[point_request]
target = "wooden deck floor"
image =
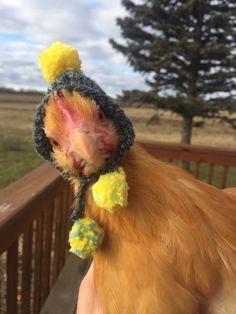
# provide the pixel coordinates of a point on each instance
(64, 294)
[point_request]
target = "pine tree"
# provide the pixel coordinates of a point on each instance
(186, 49)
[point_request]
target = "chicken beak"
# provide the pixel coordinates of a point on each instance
(84, 145)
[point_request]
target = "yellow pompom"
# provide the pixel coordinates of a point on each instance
(85, 237)
(57, 59)
(111, 190)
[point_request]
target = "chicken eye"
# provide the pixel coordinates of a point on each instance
(54, 142)
(101, 116)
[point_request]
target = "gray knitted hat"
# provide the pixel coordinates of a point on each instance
(74, 80)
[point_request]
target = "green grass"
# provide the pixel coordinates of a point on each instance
(17, 155)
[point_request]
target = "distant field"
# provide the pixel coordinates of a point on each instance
(168, 129)
(17, 155)
(19, 98)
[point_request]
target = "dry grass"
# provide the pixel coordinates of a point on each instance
(168, 129)
(19, 98)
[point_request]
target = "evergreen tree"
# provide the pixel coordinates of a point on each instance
(187, 50)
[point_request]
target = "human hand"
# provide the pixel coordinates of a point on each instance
(88, 302)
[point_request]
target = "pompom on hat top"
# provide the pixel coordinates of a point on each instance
(57, 59)
(61, 67)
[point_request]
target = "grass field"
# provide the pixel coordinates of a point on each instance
(17, 155)
(168, 129)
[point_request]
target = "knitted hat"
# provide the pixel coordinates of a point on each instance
(60, 65)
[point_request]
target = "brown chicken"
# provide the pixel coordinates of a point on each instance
(172, 249)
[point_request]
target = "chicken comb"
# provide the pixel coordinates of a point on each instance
(57, 59)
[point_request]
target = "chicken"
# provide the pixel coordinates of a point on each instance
(172, 248)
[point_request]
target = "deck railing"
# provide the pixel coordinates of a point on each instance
(34, 224)
(210, 164)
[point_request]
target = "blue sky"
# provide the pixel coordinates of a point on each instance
(29, 26)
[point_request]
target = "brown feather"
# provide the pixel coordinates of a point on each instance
(167, 251)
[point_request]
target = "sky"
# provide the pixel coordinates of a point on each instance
(28, 27)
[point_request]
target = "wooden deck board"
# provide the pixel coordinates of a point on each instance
(64, 294)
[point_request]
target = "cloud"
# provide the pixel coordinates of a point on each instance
(29, 26)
